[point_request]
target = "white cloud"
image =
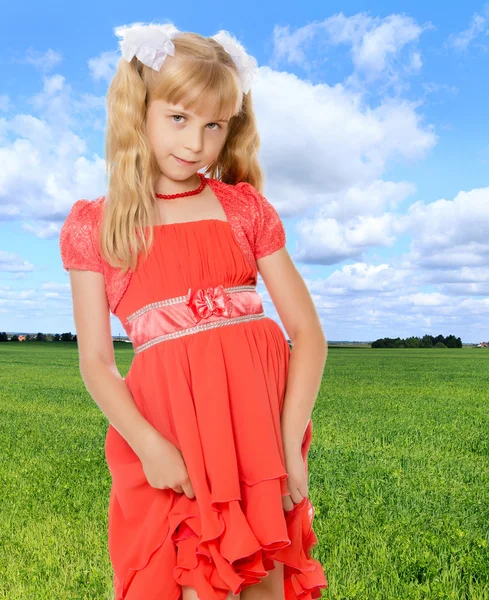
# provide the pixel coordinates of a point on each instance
(13, 263)
(55, 286)
(362, 277)
(449, 233)
(433, 299)
(458, 281)
(42, 229)
(376, 43)
(103, 67)
(44, 61)
(479, 26)
(341, 141)
(325, 241)
(374, 198)
(45, 162)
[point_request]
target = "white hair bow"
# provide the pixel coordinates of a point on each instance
(245, 63)
(152, 43)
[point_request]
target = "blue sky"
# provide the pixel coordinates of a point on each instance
(375, 147)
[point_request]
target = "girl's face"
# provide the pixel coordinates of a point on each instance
(177, 134)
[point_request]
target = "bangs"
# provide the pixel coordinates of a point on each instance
(197, 85)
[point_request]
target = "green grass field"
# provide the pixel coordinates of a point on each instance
(398, 475)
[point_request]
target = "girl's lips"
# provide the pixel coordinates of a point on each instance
(185, 162)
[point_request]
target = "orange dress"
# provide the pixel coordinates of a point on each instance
(217, 396)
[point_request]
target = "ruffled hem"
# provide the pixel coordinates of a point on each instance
(229, 546)
(224, 416)
(202, 566)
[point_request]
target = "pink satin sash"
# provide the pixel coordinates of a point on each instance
(198, 310)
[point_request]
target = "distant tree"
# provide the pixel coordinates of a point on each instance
(66, 337)
(14, 338)
(56, 337)
(378, 344)
(453, 342)
(3, 336)
(40, 337)
(412, 342)
(426, 341)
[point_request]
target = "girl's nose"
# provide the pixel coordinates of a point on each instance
(194, 141)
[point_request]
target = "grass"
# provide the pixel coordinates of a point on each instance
(398, 475)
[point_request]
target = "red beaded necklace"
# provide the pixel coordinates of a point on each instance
(189, 193)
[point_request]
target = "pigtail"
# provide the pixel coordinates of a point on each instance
(130, 167)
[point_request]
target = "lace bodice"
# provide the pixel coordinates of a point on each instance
(255, 222)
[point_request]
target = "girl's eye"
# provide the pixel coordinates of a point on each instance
(182, 117)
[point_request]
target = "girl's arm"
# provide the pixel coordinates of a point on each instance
(297, 312)
(97, 362)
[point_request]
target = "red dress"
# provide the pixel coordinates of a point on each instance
(216, 395)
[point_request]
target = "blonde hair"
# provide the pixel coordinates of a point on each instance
(200, 74)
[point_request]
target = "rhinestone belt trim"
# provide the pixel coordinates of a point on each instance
(181, 315)
(178, 299)
(198, 328)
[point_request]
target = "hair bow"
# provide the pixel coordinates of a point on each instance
(152, 43)
(245, 63)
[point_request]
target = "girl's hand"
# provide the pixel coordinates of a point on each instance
(297, 481)
(165, 468)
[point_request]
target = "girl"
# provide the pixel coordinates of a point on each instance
(209, 431)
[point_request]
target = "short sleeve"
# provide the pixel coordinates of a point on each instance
(269, 231)
(77, 239)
